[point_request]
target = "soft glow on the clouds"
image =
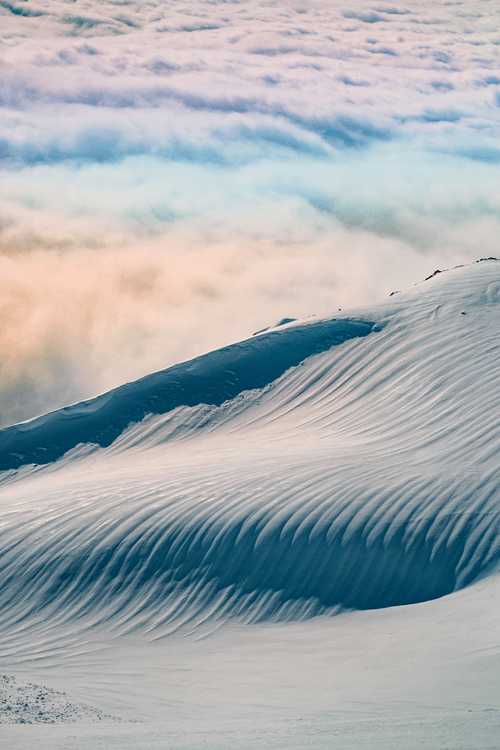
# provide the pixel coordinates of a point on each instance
(177, 175)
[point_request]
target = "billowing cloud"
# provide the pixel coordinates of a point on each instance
(176, 176)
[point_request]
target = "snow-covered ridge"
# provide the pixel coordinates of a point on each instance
(365, 475)
(210, 379)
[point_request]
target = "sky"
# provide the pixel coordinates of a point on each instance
(178, 175)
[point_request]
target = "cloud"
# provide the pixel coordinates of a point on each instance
(174, 179)
(367, 16)
(147, 263)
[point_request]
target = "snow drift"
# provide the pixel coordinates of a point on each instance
(325, 464)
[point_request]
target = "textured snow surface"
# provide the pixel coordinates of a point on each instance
(23, 703)
(188, 571)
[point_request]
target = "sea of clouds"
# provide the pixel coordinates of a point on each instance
(177, 175)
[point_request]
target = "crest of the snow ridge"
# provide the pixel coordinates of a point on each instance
(210, 379)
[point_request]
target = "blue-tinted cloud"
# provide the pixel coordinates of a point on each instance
(177, 177)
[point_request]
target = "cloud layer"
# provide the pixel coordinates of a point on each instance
(177, 175)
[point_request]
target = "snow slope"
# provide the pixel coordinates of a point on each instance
(174, 551)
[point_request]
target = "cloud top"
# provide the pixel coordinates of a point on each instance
(177, 175)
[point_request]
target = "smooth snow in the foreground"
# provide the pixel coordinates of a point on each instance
(293, 542)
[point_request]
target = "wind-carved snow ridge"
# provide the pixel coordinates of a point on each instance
(363, 476)
(210, 379)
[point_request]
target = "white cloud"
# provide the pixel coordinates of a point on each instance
(179, 175)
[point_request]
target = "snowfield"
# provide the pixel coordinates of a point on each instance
(291, 542)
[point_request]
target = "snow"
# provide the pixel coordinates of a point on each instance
(34, 704)
(291, 542)
(210, 379)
